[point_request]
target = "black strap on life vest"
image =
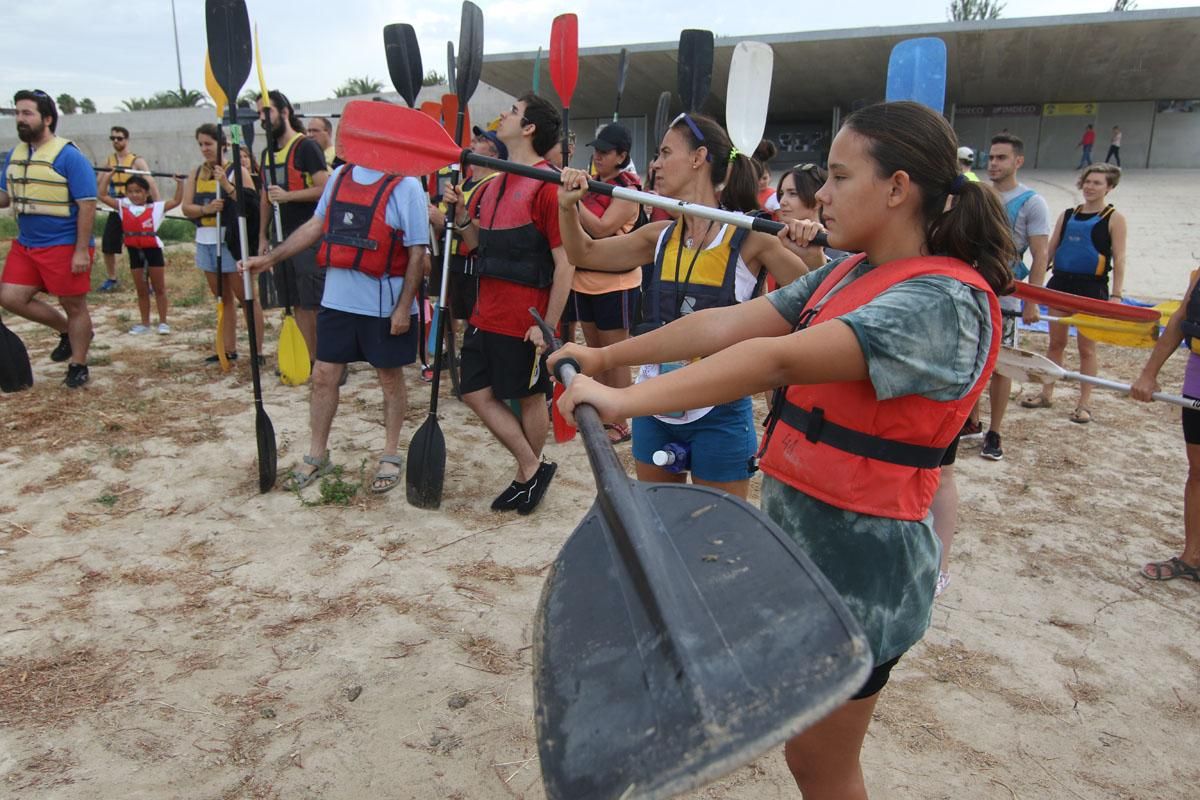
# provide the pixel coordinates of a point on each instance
(818, 429)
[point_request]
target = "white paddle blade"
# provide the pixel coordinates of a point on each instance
(1027, 367)
(748, 94)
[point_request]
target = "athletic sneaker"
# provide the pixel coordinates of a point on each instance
(63, 350)
(77, 375)
(991, 447)
(971, 430)
(163, 329)
(138, 330)
(537, 486)
(108, 285)
(512, 496)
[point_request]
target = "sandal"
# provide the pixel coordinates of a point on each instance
(297, 480)
(386, 481)
(1081, 415)
(623, 434)
(1170, 569)
(1036, 401)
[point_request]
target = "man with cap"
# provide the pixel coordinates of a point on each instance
(460, 293)
(966, 160)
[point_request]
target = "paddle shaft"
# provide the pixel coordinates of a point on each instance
(1123, 388)
(131, 171)
(247, 283)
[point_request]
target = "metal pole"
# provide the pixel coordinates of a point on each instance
(178, 61)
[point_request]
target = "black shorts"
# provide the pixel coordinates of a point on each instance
(114, 235)
(1080, 285)
(343, 338)
(460, 294)
(611, 311)
(1191, 424)
(141, 257)
(505, 363)
(299, 282)
(950, 454)
(876, 680)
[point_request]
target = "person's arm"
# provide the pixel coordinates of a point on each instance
(177, 200)
(81, 261)
(112, 202)
(614, 254)
(103, 178)
(1040, 249)
(1119, 232)
(193, 210)
(785, 262)
(564, 275)
(825, 353)
(1168, 342)
(618, 214)
(301, 239)
(265, 217)
(5, 200)
(418, 256)
(1037, 273)
(140, 163)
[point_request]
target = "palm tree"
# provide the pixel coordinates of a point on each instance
(1124, 5)
(66, 103)
(87, 106)
(358, 86)
(433, 78)
(171, 98)
(965, 10)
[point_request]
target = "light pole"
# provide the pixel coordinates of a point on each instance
(178, 62)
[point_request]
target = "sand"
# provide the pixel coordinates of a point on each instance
(168, 632)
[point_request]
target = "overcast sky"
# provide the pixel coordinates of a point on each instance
(113, 51)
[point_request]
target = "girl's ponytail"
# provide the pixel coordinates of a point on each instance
(975, 229)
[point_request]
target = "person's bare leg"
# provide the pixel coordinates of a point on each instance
(507, 429)
(158, 280)
(1055, 351)
(1191, 508)
(323, 403)
(945, 513)
(535, 423)
(306, 321)
(79, 326)
(617, 377)
(824, 760)
(998, 400)
(143, 294)
(1089, 364)
(652, 473)
(391, 380)
(20, 300)
(110, 265)
(739, 488)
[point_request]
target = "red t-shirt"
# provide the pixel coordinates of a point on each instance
(503, 306)
(1089, 137)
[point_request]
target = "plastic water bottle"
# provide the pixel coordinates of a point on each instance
(674, 456)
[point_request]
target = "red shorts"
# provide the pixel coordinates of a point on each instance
(48, 268)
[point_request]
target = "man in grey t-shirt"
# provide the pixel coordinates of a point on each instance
(1029, 217)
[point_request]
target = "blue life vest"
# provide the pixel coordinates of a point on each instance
(1076, 253)
(1013, 207)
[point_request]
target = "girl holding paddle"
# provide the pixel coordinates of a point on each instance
(884, 354)
(696, 264)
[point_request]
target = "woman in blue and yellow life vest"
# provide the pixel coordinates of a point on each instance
(1087, 246)
(204, 196)
(694, 264)
(883, 355)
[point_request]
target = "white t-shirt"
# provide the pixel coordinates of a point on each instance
(157, 214)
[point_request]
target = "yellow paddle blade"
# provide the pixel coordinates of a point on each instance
(1112, 331)
(214, 90)
(220, 340)
(262, 81)
(294, 366)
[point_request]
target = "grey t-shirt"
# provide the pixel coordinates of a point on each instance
(927, 336)
(1032, 220)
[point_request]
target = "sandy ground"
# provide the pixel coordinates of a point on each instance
(168, 632)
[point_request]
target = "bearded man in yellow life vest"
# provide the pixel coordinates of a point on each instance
(113, 182)
(52, 187)
(295, 185)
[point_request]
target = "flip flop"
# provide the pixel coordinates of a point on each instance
(623, 434)
(387, 480)
(1081, 415)
(1169, 570)
(297, 480)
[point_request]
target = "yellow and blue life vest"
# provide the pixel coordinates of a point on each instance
(34, 185)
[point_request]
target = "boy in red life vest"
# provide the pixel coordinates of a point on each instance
(512, 224)
(371, 234)
(140, 220)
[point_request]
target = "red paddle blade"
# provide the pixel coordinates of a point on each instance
(1084, 305)
(563, 430)
(564, 56)
(450, 118)
(395, 139)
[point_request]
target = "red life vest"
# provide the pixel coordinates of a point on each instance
(599, 203)
(356, 234)
(840, 444)
(511, 247)
(139, 228)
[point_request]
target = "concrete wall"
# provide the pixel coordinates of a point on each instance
(1176, 141)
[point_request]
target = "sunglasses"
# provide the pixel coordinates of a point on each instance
(695, 129)
(116, 138)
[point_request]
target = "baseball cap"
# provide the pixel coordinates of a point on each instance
(966, 154)
(490, 135)
(613, 136)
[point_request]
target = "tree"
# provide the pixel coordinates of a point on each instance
(66, 103)
(171, 98)
(432, 78)
(87, 106)
(356, 86)
(1124, 5)
(965, 10)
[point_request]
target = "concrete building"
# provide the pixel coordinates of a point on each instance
(1043, 79)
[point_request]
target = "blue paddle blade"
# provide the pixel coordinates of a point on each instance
(917, 72)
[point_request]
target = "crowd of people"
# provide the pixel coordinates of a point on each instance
(883, 341)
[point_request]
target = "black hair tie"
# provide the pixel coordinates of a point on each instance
(957, 184)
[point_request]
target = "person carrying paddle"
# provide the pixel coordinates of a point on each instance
(204, 194)
(371, 234)
(113, 238)
(1183, 325)
(883, 355)
(52, 187)
(695, 264)
(296, 186)
(140, 218)
(512, 224)
(1087, 246)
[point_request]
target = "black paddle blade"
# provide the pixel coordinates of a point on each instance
(229, 44)
(451, 67)
(403, 60)
(776, 650)
(661, 120)
(16, 373)
(470, 53)
(695, 67)
(267, 457)
(426, 469)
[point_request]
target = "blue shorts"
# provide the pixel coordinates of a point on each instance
(206, 258)
(723, 441)
(343, 338)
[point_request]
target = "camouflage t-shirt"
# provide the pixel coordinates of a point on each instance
(926, 336)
